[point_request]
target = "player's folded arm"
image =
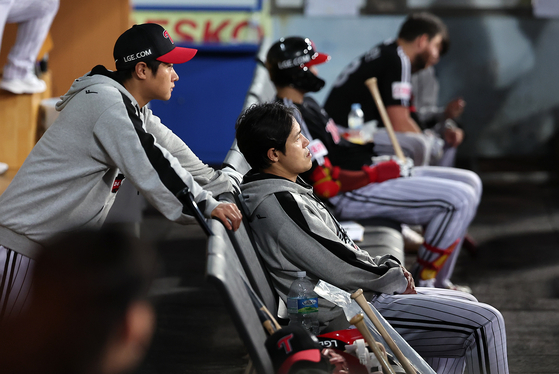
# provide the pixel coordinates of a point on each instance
(319, 251)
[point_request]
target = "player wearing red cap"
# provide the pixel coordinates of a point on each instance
(104, 134)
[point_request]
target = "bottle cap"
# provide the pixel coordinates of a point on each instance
(301, 274)
(355, 106)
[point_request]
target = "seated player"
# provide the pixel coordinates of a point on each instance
(392, 63)
(294, 232)
(439, 121)
(443, 200)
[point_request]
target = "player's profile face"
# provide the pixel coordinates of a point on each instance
(162, 83)
(297, 158)
(429, 54)
(434, 49)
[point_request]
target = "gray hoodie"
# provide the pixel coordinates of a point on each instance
(70, 178)
(294, 232)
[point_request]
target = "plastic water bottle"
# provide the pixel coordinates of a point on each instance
(355, 117)
(302, 304)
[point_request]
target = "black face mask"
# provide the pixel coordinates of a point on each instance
(305, 80)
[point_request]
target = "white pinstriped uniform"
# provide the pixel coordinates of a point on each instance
(449, 329)
(443, 200)
(34, 18)
(15, 282)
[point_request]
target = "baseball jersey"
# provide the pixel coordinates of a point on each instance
(390, 65)
(341, 152)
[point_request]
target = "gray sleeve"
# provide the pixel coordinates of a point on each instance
(153, 170)
(307, 242)
(211, 180)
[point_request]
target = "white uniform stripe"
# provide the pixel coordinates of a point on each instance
(406, 70)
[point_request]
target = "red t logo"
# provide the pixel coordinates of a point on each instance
(166, 35)
(286, 343)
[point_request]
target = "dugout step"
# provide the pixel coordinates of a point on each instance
(20, 124)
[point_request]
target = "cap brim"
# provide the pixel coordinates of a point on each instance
(178, 55)
(319, 59)
(312, 355)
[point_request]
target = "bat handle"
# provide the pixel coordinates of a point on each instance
(360, 299)
(358, 322)
(372, 85)
(271, 318)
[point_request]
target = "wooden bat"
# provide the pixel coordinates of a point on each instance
(371, 83)
(360, 298)
(358, 322)
(266, 318)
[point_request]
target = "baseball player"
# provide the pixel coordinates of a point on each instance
(392, 63)
(34, 18)
(440, 121)
(294, 232)
(104, 134)
(443, 200)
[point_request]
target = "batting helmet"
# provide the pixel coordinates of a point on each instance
(288, 62)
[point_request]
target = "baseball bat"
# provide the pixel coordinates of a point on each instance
(266, 318)
(358, 322)
(371, 83)
(360, 298)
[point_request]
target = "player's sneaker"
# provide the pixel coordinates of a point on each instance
(28, 85)
(3, 168)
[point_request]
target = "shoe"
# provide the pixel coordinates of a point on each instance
(28, 85)
(451, 286)
(3, 168)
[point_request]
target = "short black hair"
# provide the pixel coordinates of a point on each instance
(261, 127)
(418, 24)
(126, 74)
(83, 284)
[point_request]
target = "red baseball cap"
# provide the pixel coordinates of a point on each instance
(293, 344)
(148, 41)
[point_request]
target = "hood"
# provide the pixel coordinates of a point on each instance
(257, 187)
(99, 74)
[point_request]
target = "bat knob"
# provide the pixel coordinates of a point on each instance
(357, 293)
(356, 319)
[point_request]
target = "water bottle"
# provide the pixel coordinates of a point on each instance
(302, 304)
(355, 117)
(355, 124)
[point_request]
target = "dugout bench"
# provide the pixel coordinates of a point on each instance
(233, 259)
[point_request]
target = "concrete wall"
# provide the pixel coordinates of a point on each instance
(504, 66)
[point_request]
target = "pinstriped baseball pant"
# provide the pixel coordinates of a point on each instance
(449, 329)
(443, 200)
(15, 282)
(415, 146)
(34, 18)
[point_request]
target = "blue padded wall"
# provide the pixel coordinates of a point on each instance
(207, 100)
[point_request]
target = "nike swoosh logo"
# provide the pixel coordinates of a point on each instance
(260, 217)
(88, 92)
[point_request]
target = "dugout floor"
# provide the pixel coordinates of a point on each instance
(516, 270)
